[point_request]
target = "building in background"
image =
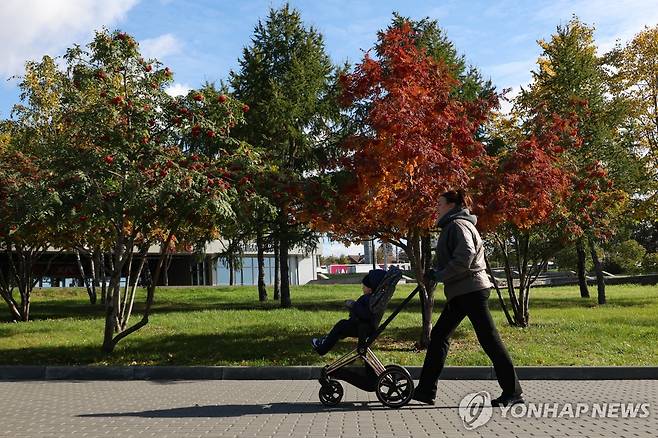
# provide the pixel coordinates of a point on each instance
(302, 266)
(184, 268)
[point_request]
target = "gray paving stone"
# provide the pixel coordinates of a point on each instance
(276, 408)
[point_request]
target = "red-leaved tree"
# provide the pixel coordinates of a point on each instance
(416, 139)
(521, 199)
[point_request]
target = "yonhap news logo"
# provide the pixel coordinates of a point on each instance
(475, 410)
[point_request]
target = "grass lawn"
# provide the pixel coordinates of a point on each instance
(228, 326)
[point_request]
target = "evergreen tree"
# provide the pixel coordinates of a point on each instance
(432, 38)
(572, 79)
(290, 84)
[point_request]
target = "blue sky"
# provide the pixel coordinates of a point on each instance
(202, 40)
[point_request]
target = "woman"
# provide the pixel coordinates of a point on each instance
(462, 269)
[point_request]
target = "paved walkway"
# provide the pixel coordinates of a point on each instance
(225, 408)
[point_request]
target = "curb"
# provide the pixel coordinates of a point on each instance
(305, 373)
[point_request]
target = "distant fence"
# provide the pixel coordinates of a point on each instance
(553, 281)
(550, 280)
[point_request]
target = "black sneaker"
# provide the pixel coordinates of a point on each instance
(508, 400)
(423, 397)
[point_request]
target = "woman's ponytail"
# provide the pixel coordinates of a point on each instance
(458, 197)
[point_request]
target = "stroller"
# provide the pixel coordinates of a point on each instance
(392, 383)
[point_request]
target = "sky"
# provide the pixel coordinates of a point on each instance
(203, 40)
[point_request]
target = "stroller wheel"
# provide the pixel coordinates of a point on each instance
(331, 393)
(395, 386)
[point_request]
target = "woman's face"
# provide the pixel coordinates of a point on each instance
(444, 206)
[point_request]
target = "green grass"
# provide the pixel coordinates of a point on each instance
(228, 326)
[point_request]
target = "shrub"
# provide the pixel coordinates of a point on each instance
(650, 263)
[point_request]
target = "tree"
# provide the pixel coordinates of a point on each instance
(625, 257)
(29, 208)
(634, 81)
(30, 204)
(571, 80)
(243, 165)
(567, 259)
(415, 140)
(433, 39)
(650, 263)
(646, 233)
(130, 166)
(288, 81)
(520, 196)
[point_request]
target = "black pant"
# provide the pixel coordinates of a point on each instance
(475, 305)
(344, 328)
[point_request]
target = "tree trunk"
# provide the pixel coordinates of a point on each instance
(94, 278)
(503, 306)
(6, 291)
(421, 250)
(25, 306)
(167, 264)
(517, 309)
(231, 270)
(600, 281)
(103, 278)
(85, 282)
(415, 259)
(582, 279)
(128, 304)
(124, 302)
(21, 272)
(109, 344)
(521, 265)
(111, 309)
(13, 306)
(525, 314)
(277, 270)
(148, 279)
(262, 291)
(112, 305)
(528, 278)
(285, 274)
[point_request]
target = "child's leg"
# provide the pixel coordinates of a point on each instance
(342, 329)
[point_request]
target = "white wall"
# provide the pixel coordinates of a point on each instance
(306, 268)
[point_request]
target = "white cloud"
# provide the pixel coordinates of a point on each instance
(613, 20)
(178, 89)
(160, 47)
(30, 29)
(511, 69)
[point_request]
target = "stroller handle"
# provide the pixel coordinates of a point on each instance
(390, 318)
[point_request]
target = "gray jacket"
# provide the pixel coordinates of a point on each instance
(460, 255)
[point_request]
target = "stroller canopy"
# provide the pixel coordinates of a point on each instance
(381, 297)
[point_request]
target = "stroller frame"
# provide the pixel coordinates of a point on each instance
(394, 387)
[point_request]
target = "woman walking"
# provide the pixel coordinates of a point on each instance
(462, 269)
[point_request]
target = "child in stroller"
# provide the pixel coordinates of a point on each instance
(391, 383)
(361, 319)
